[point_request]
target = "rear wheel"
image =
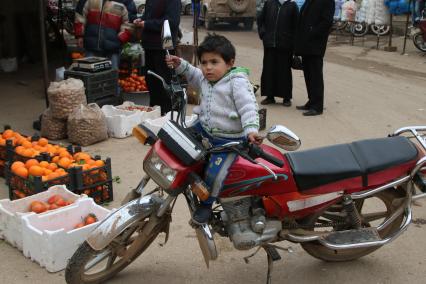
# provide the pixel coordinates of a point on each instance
(90, 266)
(248, 24)
(374, 211)
(419, 42)
(359, 29)
(380, 29)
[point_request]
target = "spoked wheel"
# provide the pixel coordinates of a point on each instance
(419, 42)
(374, 211)
(90, 266)
(339, 25)
(359, 29)
(380, 29)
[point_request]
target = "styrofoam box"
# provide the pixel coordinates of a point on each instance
(50, 239)
(156, 124)
(11, 212)
(120, 122)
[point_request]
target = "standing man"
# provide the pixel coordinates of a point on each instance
(276, 24)
(151, 24)
(102, 26)
(315, 21)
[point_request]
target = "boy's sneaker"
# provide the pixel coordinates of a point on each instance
(287, 103)
(202, 214)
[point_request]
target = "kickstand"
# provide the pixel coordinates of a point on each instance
(272, 255)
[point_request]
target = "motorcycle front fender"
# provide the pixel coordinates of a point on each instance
(122, 218)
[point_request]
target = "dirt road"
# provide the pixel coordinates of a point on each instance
(368, 94)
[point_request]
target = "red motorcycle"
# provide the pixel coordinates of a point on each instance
(320, 198)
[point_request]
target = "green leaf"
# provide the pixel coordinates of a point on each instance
(116, 179)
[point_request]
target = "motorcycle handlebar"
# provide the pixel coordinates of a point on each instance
(256, 151)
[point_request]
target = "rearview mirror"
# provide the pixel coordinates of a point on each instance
(166, 36)
(284, 138)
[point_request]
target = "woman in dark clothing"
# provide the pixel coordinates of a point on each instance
(151, 23)
(276, 26)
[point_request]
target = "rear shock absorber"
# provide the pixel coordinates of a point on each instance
(352, 211)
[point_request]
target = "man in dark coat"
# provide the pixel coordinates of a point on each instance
(276, 26)
(151, 23)
(313, 28)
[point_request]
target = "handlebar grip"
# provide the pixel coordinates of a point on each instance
(257, 151)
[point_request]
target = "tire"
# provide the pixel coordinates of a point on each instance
(135, 246)
(248, 24)
(419, 42)
(319, 251)
(339, 25)
(359, 29)
(380, 30)
(238, 6)
(209, 24)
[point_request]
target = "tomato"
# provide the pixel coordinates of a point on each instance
(60, 202)
(38, 207)
(53, 206)
(53, 198)
(90, 219)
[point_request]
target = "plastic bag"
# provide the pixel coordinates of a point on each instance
(87, 125)
(51, 127)
(65, 96)
(133, 52)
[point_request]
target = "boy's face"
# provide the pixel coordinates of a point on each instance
(213, 66)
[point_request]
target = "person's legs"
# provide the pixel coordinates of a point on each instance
(154, 60)
(115, 61)
(284, 79)
(316, 84)
(267, 78)
(306, 74)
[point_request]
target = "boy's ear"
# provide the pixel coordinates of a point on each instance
(231, 62)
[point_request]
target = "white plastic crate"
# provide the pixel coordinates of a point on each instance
(121, 121)
(50, 239)
(11, 212)
(156, 124)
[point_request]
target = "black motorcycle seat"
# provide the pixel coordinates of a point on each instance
(317, 167)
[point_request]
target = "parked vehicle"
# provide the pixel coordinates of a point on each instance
(340, 202)
(186, 6)
(419, 38)
(231, 11)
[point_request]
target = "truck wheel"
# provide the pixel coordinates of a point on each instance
(209, 24)
(238, 6)
(248, 24)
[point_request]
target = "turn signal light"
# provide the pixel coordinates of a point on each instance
(200, 190)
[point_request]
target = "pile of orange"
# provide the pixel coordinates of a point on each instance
(32, 167)
(133, 83)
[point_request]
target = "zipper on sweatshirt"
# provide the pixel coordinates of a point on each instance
(276, 24)
(100, 22)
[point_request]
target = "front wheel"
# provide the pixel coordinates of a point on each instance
(90, 266)
(419, 42)
(373, 210)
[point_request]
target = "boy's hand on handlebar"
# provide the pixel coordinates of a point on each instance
(255, 138)
(172, 61)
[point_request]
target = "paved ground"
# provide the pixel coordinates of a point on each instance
(369, 94)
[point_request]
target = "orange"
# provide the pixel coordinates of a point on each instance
(55, 159)
(36, 171)
(17, 164)
(81, 156)
(29, 153)
(19, 150)
(22, 172)
(2, 142)
(27, 144)
(99, 163)
(30, 163)
(43, 142)
(64, 154)
(47, 172)
(52, 176)
(64, 162)
(7, 134)
(44, 178)
(44, 164)
(52, 166)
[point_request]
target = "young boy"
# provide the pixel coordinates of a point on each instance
(228, 110)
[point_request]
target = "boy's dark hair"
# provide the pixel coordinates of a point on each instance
(218, 44)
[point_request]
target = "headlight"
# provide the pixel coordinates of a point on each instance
(159, 171)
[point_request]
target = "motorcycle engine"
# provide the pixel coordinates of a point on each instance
(246, 223)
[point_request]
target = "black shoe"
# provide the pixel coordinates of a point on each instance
(268, 101)
(312, 112)
(202, 214)
(304, 107)
(287, 103)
